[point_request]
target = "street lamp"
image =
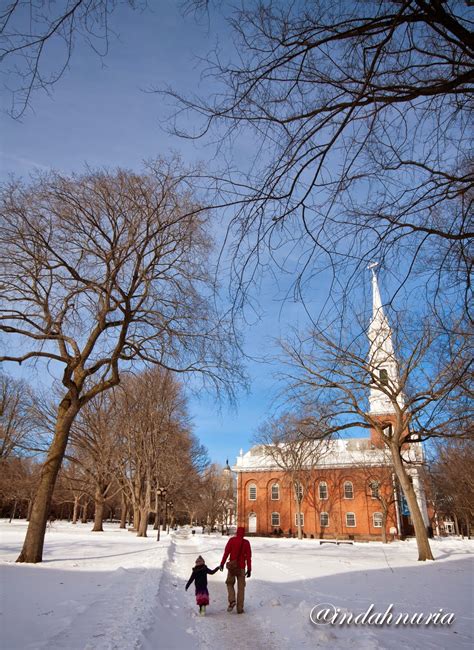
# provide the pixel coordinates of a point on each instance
(160, 494)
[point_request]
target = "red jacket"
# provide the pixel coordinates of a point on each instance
(238, 547)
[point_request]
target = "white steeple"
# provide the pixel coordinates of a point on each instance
(381, 355)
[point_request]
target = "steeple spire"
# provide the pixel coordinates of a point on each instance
(381, 355)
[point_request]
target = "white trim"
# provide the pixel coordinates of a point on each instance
(321, 521)
(379, 518)
(271, 519)
(354, 525)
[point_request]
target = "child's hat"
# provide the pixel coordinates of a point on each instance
(200, 560)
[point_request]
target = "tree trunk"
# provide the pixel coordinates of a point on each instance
(143, 522)
(32, 550)
(98, 511)
(123, 512)
(421, 534)
(136, 517)
(155, 525)
(456, 525)
(144, 511)
(75, 512)
(13, 511)
(84, 513)
(384, 526)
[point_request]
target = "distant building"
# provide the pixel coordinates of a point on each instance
(351, 492)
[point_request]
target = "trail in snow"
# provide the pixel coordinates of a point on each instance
(178, 624)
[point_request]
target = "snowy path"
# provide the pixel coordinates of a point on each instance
(182, 627)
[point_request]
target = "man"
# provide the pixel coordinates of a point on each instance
(238, 550)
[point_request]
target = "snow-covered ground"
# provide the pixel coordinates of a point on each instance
(113, 590)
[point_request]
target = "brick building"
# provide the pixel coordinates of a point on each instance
(350, 492)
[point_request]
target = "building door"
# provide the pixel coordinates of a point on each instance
(252, 522)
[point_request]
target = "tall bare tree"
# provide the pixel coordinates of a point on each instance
(99, 271)
(340, 373)
(363, 111)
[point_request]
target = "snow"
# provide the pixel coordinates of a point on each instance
(112, 590)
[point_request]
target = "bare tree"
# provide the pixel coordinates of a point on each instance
(340, 374)
(295, 444)
(39, 38)
(153, 435)
(363, 111)
(16, 416)
(452, 481)
(99, 271)
(94, 441)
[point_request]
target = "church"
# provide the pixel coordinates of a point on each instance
(349, 492)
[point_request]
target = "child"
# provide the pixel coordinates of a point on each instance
(199, 576)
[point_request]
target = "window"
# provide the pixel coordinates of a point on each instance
(275, 518)
(350, 519)
(324, 519)
(252, 492)
(323, 490)
(377, 519)
(275, 492)
(348, 490)
(383, 375)
(298, 491)
(374, 489)
(301, 519)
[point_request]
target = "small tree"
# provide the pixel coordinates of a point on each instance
(295, 444)
(16, 416)
(452, 479)
(100, 271)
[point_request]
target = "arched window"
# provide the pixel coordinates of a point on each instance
(374, 489)
(252, 492)
(377, 519)
(275, 492)
(275, 518)
(324, 519)
(348, 490)
(323, 490)
(301, 518)
(350, 519)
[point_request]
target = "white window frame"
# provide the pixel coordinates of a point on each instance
(352, 489)
(277, 486)
(275, 514)
(252, 486)
(348, 525)
(374, 490)
(321, 519)
(379, 519)
(323, 483)
(301, 519)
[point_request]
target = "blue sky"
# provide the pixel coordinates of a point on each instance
(100, 113)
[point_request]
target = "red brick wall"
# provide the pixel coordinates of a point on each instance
(362, 504)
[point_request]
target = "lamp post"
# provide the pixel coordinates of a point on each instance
(160, 494)
(170, 506)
